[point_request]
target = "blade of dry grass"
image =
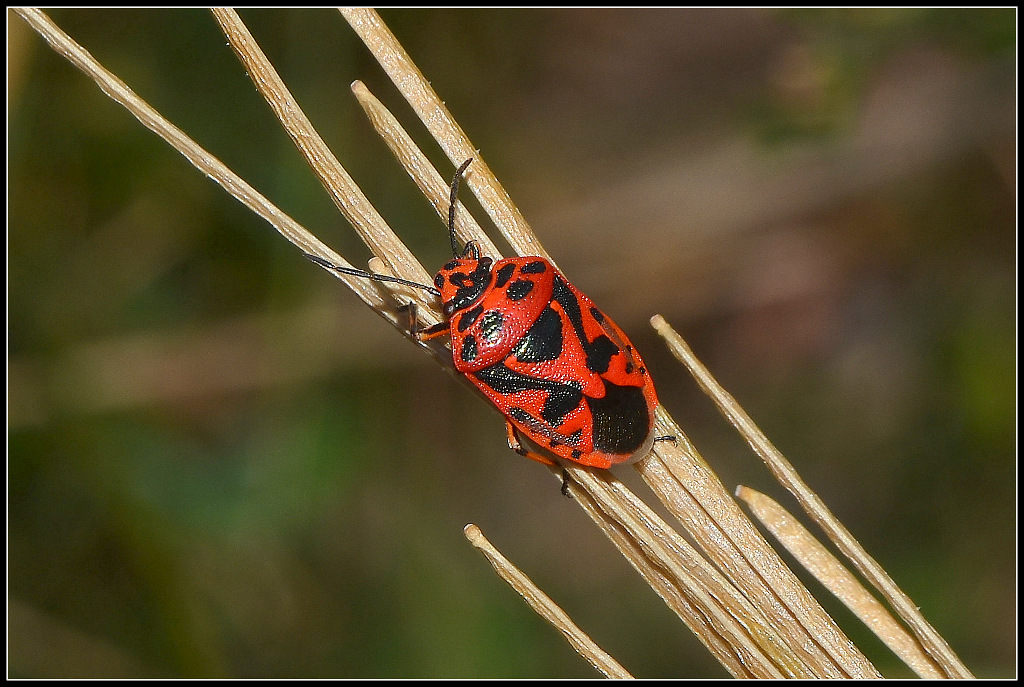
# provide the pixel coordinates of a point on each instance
(732, 628)
(430, 183)
(542, 604)
(934, 644)
(827, 569)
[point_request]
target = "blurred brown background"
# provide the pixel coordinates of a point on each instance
(221, 464)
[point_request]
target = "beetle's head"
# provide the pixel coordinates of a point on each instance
(463, 280)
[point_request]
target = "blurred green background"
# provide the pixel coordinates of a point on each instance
(221, 464)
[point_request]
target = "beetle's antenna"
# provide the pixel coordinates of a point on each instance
(451, 205)
(370, 275)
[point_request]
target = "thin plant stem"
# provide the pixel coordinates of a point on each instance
(542, 604)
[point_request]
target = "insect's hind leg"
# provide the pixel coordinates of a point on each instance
(517, 446)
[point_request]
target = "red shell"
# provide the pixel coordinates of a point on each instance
(559, 369)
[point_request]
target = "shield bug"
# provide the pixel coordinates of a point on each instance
(561, 371)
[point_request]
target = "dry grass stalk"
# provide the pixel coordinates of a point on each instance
(933, 644)
(735, 631)
(697, 498)
(827, 569)
(431, 184)
(542, 604)
(747, 606)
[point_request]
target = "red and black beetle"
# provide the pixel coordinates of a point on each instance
(561, 371)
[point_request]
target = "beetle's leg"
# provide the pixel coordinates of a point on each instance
(565, 483)
(668, 437)
(426, 333)
(410, 309)
(515, 445)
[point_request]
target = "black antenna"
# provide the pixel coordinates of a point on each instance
(396, 280)
(370, 275)
(451, 205)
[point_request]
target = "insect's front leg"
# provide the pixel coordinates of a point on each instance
(426, 333)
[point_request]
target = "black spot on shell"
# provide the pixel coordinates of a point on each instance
(562, 397)
(560, 402)
(518, 289)
(502, 276)
(621, 420)
(467, 318)
(599, 354)
(490, 325)
(543, 340)
(469, 349)
(535, 267)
